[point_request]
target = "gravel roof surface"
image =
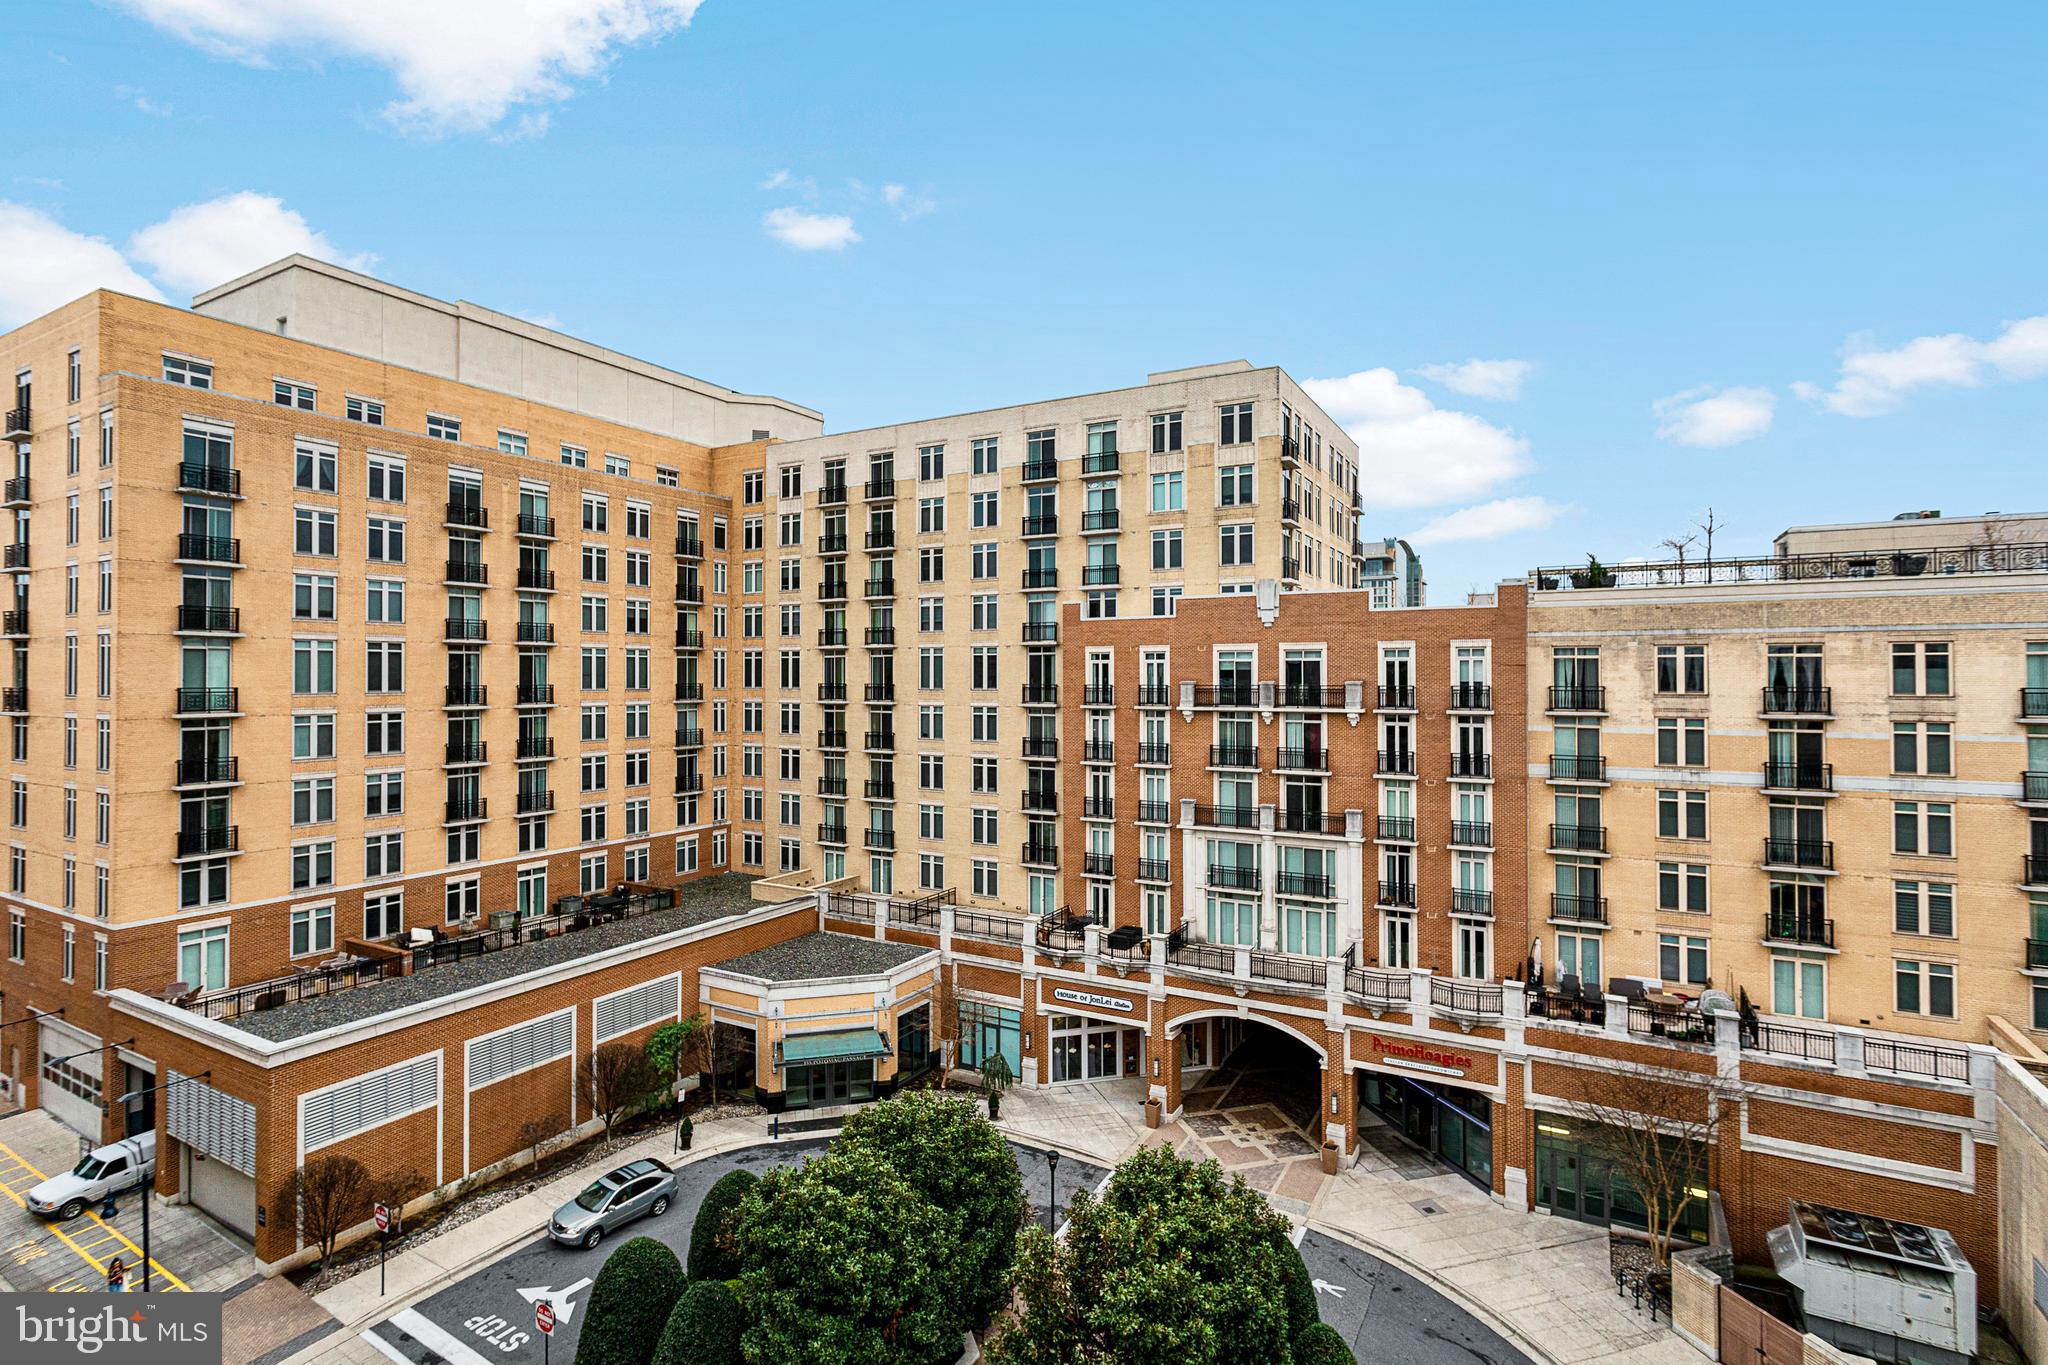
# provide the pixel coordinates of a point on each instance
(822, 954)
(697, 902)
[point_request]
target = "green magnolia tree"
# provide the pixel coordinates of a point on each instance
(711, 1254)
(678, 1047)
(629, 1304)
(705, 1327)
(955, 1158)
(841, 1259)
(1171, 1266)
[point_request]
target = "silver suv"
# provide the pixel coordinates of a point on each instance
(611, 1201)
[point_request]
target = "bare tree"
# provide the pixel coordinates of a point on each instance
(1658, 1128)
(615, 1078)
(399, 1188)
(331, 1194)
(1707, 528)
(945, 1021)
(538, 1135)
(1678, 545)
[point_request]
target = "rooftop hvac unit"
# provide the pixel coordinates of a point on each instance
(1892, 1291)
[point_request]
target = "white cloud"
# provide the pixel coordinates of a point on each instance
(202, 245)
(908, 204)
(1489, 521)
(1500, 379)
(1411, 452)
(45, 265)
(810, 231)
(1709, 417)
(1874, 381)
(460, 65)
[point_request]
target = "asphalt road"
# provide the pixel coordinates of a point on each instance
(486, 1318)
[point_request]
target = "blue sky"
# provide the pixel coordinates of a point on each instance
(1685, 227)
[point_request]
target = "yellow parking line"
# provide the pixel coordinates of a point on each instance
(85, 1255)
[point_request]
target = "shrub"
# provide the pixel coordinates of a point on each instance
(1299, 1287)
(330, 1194)
(711, 1256)
(1321, 1345)
(705, 1327)
(629, 1304)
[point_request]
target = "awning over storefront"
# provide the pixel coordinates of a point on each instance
(839, 1045)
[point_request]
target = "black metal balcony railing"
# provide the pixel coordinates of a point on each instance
(1047, 524)
(1316, 884)
(467, 571)
(1234, 878)
(832, 589)
(1098, 864)
(463, 512)
(879, 585)
(831, 834)
(1396, 697)
(879, 840)
(689, 639)
(880, 489)
(1101, 519)
(1226, 694)
(1041, 694)
(689, 592)
(879, 637)
(465, 809)
(1471, 696)
(466, 694)
(1467, 901)
(1472, 833)
(689, 547)
(1398, 761)
(1101, 575)
(1578, 768)
(1818, 853)
(1228, 817)
(1578, 697)
(542, 694)
(831, 691)
(1154, 812)
(1309, 820)
(1154, 755)
(13, 700)
(1098, 808)
(1035, 852)
(1044, 799)
(1290, 566)
(1465, 764)
(880, 739)
(1154, 870)
(536, 632)
(535, 526)
(534, 801)
(543, 746)
(832, 494)
(1233, 756)
(209, 549)
(2037, 954)
(1310, 696)
(1397, 894)
(1799, 776)
(465, 628)
(461, 751)
(14, 493)
(2034, 702)
(201, 477)
(1098, 694)
(194, 700)
(200, 839)
(1398, 828)
(15, 556)
(1037, 471)
(1102, 462)
(831, 739)
(2034, 788)
(1041, 578)
(1290, 449)
(543, 580)
(1579, 838)
(689, 783)
(199, 772)
(1041, 632)
(1580, 909)
(1792, 700)
(17, 422)
(1290, 509)
(2033, 870)
(687, 690)
(1155, 694)
(1040, 746)
(879, 692)
(884, 539)
(878, 789)
(1099, 751)
(1791, 927)
(832, 637)
(828, 785)
(191, 616)
(1302, 760)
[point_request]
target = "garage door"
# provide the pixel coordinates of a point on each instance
(218, 1134)
(70, 1088)
(223, 1192)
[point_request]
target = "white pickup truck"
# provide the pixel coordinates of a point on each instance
(103, 1171)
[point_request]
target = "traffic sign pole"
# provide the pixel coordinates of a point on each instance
(544, 1322)
(381, 1211)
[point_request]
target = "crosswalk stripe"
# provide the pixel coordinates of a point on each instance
(423, 1330)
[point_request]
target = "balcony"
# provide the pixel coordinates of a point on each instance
(883, 692)
(831, 834)
(534, 801)
(689, 547)
(879, 637)
(1043, 855)
(217, 770)
(1040, 747)
(209, 549)
(688, 592)
(831, 691)
(1154, 694)
(467, 571)
(1154, 755)
(880, 585)
(832, 589)
(1155, 870)
(833, 494)
(1309, 820)
(1041, 578)
(1302, 760)
(1098, 808)
(1227, 817)
(15, 556)
(2034, 703)
(1396, 698)
(1311, 697)
(1578, 768)
(535, 633)
(828, 785)
(1101, 519)
(2033, 870)
(473, 515)
(1233, 756)
(1471, 834)
(195, 476)
(1290, 509)
(465, 695)
(540, 694)
(543, 746)
(689, 783)
(1101, 575)
(1315, 885)
(1397, 762)
(1099, 751)
(543, 580)
(1397, 829)
(534, 526)
(15, 492)
(1799, 777)
(2037, 954)
(193, 619)
(880, 490)
(832, 637)
(1098, 694)
(458, 753)
(1041, 694)
(199, 840)
(1045, 800)
(879, 741)
(190, 701)
(691, 639)
(1578, 909)
(1471, 696)
(831, 739)
(882, 540)
(465, 630)
(1101, 462)
(1471, 765)
(689, 691)
(1045, 525)
(1290, 450)
(1399, 894)
(1813, 931)
(1803, 854)
(465, 810)
(17, 424)
(878, 789)
(2034, 789)
(1290, 567)
(1041, 632)
(1154, 813)
(1578, 838)
(1578, 697)
(1230, 694)
(1038, 471)
(1098, 864)
(1466, 901)
(1798, 701)
(1234, 878)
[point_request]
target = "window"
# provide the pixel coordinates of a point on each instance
(1923, 828)
(287, 394)
(985, 455)
(193, 374)
(442, 428)
(385, 541)
(1166, 432)
(1165, 600)
(383, 915)
(313, 532)
(1234, 485)
(1927, 908)
(312, 800)
(73, 375)
(1682, 958)
(383, 732)
(1235, 544)
(1234, 424)
(667, 477)
(368, 411)
(384, 601)
(984, 510)
(1681, 669)
(1920, 669)
(1682, 887)
(313, 468)
(387, 478)
(312, 667)
(312, 865)
(1166, 549)
(1799, 987)
(1927, 988)
(313, 736)
(1681, 742)
(384, 793)
(1681, 815)
(203, 957)
(384, 666)
(313, 596)
(1923, 748)
(1168, 491)
(512, 442)
(618, 466)
(312, 930)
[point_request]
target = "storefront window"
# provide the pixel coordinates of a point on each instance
(1576, 1176)
(806, 1087)
(1090, 1050)
(986, 1030)
(1456, 1125)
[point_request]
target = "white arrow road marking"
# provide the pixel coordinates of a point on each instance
(434, 1339)
(1335, 1291)
(562, 1300)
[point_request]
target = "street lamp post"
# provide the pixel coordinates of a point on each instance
(147, 1188)
(1052, 1190)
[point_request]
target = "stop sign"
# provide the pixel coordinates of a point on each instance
(544, 1317)
(383, 1213)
